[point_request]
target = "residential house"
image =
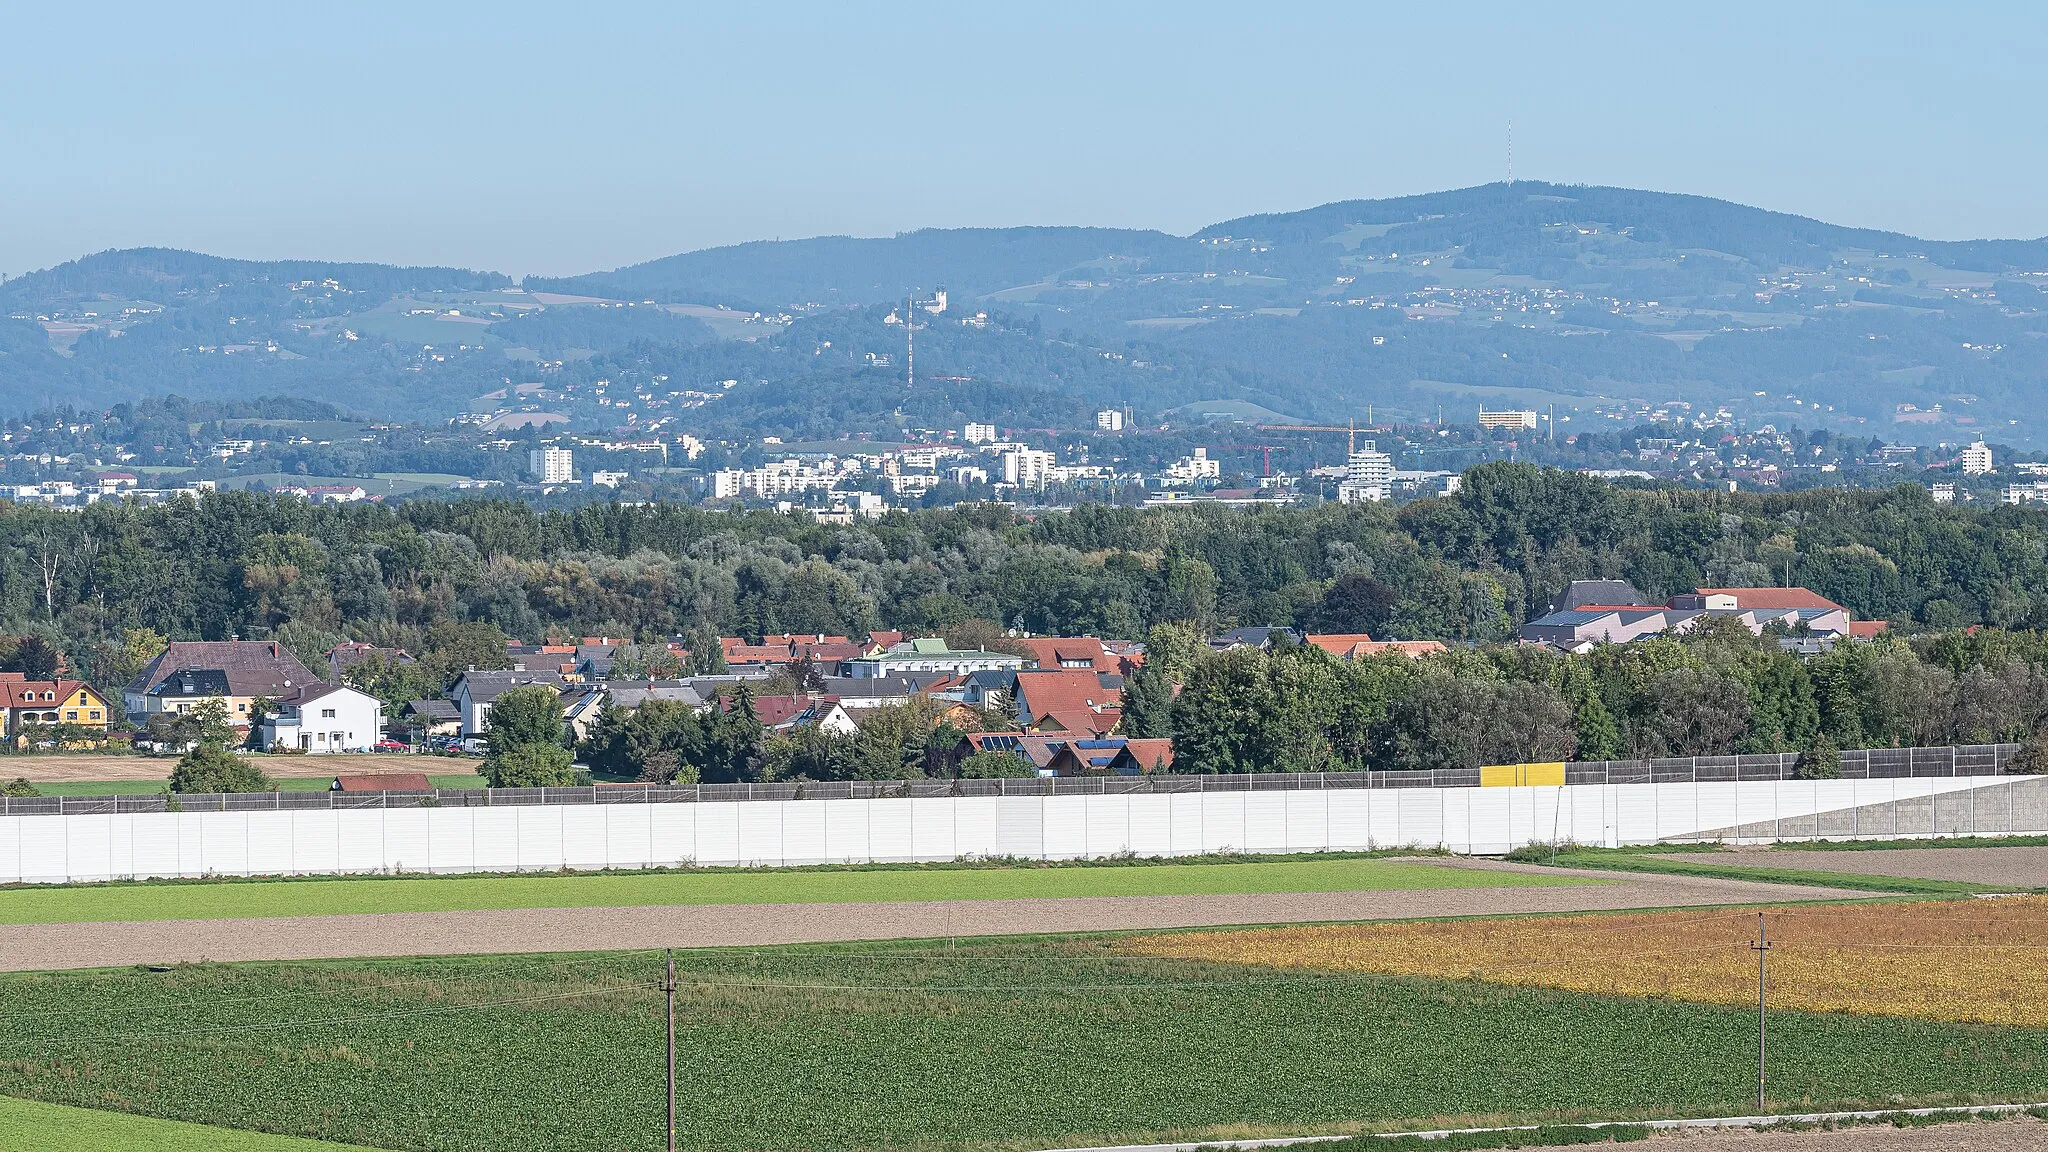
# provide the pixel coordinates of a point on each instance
(783, 713)
(1260, 636)
(630, 694)
(249, 670)
(1071, 653)
(1069, 701)
(1037, 751)
(1357, 646)
(324, 718)
(474, 692)
(343, 657)
(1797, 609)
(928, 654)
(1086, 757)
(1140, 757)
(434, 717)
(581, 704)
(876, 692)
(30, 704)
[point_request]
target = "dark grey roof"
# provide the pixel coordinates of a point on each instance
(485, 687)
(192, 682)
(440, 710)
(252, 667)
(1609, 592)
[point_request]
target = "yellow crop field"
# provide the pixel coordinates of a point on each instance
(1976, 961)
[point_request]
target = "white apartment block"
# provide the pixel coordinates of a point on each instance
(1368, 476)
(1027, 467)
(980, 434)
(1189, 469)
(1514, 418)
(1109, 420)
(1977, 460)
(2034, 492)
(551, 465)
(773, 479)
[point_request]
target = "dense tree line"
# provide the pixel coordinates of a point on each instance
(1716, 691)
(101, 586)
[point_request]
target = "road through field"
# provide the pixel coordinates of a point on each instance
(34, 947)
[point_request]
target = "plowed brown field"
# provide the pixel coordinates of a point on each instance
(1972, 960)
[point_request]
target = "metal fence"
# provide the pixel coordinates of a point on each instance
(1858, 764)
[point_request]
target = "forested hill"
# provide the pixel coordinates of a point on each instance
(1530, 218)
(854, 270)
(1595, 300)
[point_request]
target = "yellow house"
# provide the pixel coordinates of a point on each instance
(26, 704)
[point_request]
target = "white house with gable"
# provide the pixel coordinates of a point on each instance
(325, 718)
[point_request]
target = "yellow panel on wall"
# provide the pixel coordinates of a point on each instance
(1521, 775)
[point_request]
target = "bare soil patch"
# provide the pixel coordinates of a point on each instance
(2018, 867)
(86, 766)
(2022, 1134)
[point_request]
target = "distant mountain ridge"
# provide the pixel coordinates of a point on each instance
(1529, 294)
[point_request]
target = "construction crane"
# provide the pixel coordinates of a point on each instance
(1266, 449)
(1351, 429)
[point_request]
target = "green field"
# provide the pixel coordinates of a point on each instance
(204, 900)
(28, 1126)
(151, 788)
(988, 1044)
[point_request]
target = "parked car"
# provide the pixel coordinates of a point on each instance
(390, 746)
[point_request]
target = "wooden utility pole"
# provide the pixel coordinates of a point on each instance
(1762, 946)
(668, 985)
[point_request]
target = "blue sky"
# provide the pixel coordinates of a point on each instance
(557, 138)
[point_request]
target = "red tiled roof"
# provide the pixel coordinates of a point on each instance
(1867, 629)
(1357, 648)
(1057, 651)
(1338, 643)
(1069, 690)
(1079, 722)
(1773, 597)
(774, 710)
(17, 692)
(1149, 754)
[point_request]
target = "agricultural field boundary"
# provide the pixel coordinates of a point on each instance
(45, 947)
(257, 899)
(1787, 1120)
(1565, 1130)
(36, 1126)
(1659, 863)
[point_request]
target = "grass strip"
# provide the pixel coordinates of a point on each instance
(259, 900)
(990, 1045)
(32, 1126)
(1895, 845)
(1628, 860)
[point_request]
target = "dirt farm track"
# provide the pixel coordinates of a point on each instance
(35, 947)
